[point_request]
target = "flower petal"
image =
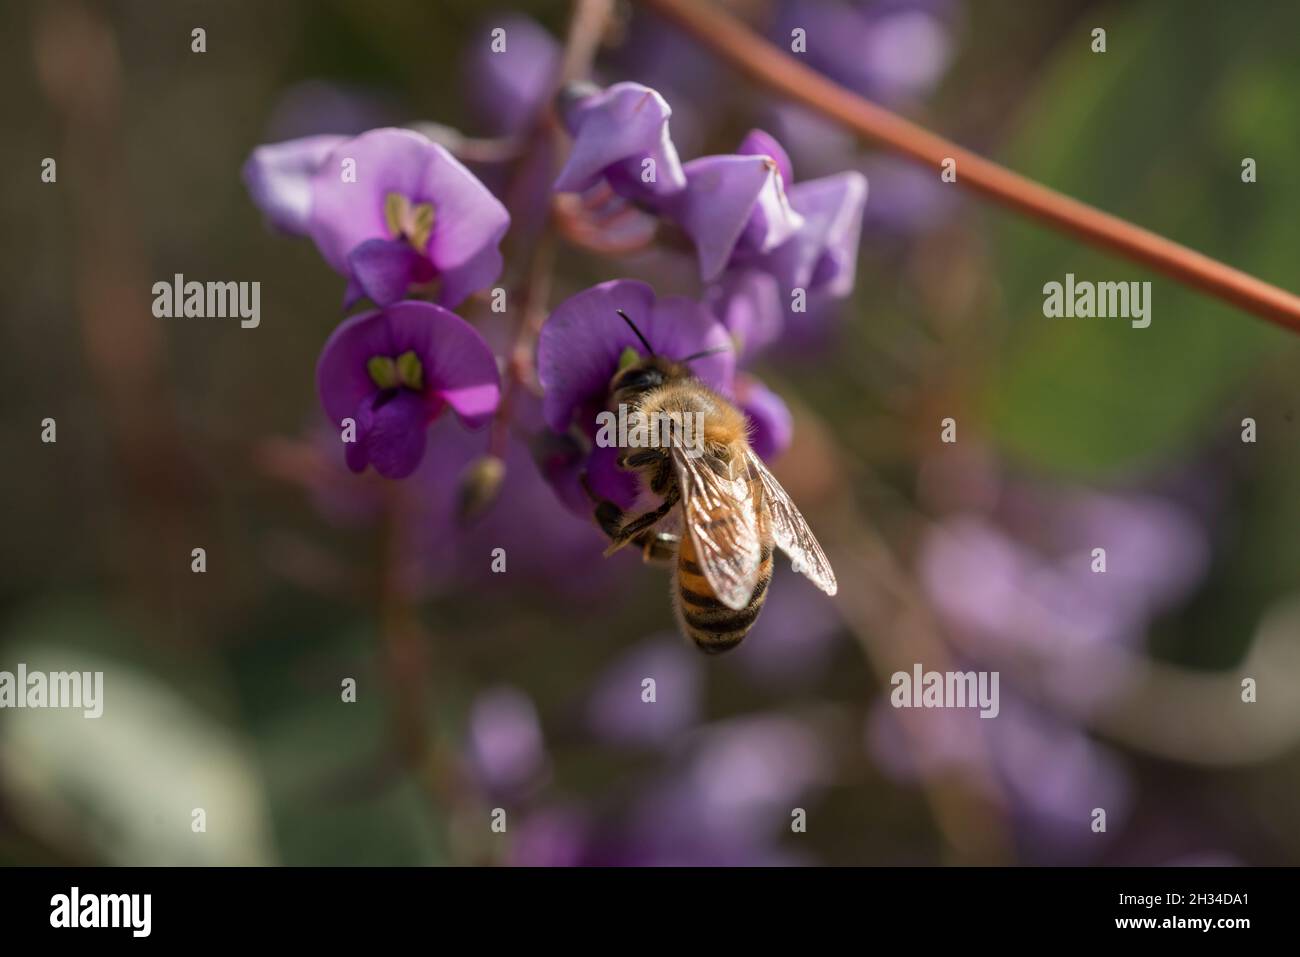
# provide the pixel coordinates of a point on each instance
(468, 219)
(762, 143)
(726, 194)
(509, 87)
(392, 430)
(278, 177)
(580, 344)
(459, 367)
(459, 282)
(771, 424)
(623, 124)
(748, 302)
(383, 269)
(822, 256)
(347, 211)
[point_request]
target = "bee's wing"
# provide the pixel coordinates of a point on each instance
(788, 529)
(720, 513)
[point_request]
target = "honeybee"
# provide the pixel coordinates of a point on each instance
(732, 510)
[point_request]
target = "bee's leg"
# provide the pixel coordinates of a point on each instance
(658, 546)
(643, 523)
(640, 459)
(608, 515)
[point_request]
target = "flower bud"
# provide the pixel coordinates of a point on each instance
(480, 484)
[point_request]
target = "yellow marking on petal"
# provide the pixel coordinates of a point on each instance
(420, 226)
(383, 372)
(395, 207)
(410, 370)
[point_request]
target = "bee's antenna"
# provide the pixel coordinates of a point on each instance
(705, 352)
(628, 320)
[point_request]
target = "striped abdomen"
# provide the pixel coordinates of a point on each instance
(708, 622)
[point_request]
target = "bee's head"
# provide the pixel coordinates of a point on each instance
(638, 374)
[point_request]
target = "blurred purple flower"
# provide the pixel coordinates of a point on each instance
(508, 88)
(392, 371)
(617, 711)
(316, 106)
(748, 303)
(278, 177)
(1050, 774)
(392, 210)
(886, 50)
(620, 134)
(793, 640)
(557, 836)
(505, 740)
(770, 422)
(1008, 594)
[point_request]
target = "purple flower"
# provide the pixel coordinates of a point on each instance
(887, 50)
(579, 351)
(392, 210)
(392, 370)
(505, 740)
(748, 303)
(799, 244)
(733, 204)
(618, 710)
(822, 255)
(509, 87)
(620, 134)
(771, 426)
(279, 175)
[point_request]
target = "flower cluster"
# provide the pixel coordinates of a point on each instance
(416, 233)
(765, 246)
(398, 216)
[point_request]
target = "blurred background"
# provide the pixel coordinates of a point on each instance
(523, 691)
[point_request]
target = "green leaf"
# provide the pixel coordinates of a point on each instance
(1155, 131)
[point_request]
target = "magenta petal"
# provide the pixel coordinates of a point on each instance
(383, 269)
(392, 430)
(278, 177)
(580, 344)
(771, 424)
(626, 122)
(723, 195)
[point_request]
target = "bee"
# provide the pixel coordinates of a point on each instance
(732, 512)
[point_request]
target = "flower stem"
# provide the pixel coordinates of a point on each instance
(771, 67)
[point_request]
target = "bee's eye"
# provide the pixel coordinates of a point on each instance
(641, 379)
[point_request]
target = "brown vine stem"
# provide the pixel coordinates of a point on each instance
(771, 67)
